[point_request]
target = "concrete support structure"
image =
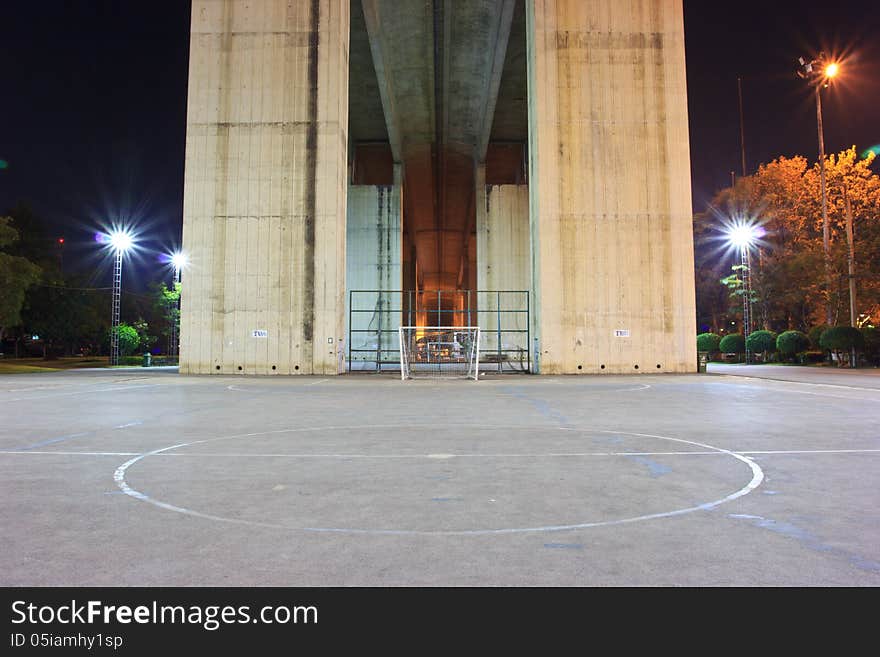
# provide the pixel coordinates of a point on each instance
(424, 133)
(264, 208)
(373, 263)
(612, 241)
(503, 258)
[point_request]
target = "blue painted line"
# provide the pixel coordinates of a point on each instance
(656, 469)
(565, 546)
(809, 541)
(52, 441)
(543, 407)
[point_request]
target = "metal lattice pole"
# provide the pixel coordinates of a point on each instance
(747, 300)
(117, 302)
(175, 347)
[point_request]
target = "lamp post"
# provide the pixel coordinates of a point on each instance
(820, 72)
(178, 261)
(120, 241)
(743, 235)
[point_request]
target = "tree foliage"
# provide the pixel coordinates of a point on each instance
(790, 343)
(733, 344)
(17, 274)
(761, 342)
(129, 340)
(787, 266)
(708, 342)
(839, 339)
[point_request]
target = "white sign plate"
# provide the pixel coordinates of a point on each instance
(621, 333)
(260, 333)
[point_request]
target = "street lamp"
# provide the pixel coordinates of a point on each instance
(743, 235)
(178, 261)
(820, 72)
(120, 241)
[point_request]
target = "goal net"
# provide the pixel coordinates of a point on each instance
(432, 352)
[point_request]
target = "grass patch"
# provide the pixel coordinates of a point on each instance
(32, 365)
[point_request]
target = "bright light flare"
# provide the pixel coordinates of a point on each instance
(120, 241)
(744, 235)
(832, 70)
(179, 260)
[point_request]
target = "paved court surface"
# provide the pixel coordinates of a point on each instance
(145, 477)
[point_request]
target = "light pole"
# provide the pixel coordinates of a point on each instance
(120, 241)
(820, 72)
(743, 235)
(178, 261)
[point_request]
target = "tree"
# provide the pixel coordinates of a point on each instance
(871, 338)
(840, 339)
(733, 344)
(788, 264)
(145, 340)
(791, 343)
(761, 342)
(17, 274)
(166, 304)
(128, 339)
(708, 342)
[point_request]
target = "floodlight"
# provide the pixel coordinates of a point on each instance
(742, 235)
(179, 260)
(120, 240)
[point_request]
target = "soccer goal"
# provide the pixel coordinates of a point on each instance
(439, 352)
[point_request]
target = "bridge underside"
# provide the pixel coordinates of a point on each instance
(441, 146)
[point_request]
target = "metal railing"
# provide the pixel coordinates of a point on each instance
(374, 317)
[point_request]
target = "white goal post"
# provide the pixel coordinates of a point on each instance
(433, 352)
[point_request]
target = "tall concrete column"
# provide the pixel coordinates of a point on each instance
(503, 261)
(265, 187)
(373, 262)
(610, 195)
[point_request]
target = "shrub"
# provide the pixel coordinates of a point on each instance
(790, 343)
(841, 339)
(708, 342)
(761, 342)
(814, 335)
(732, 344)
(128, 339)
(871, 337)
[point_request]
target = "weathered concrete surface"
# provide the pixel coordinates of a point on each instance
(503, 259)
(610, 186)
(825, 376)
(610, 244)
(443, 468)
(264, 205)
(373, 262)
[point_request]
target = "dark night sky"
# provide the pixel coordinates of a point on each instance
(93, 101)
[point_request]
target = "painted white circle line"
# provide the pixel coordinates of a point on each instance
(119, 478)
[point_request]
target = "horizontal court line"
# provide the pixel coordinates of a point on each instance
(444, 457)
(116, 388)
(801, 383)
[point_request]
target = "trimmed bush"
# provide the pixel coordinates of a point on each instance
(708, 342)
(790, 343)
(871, 337)
(761, 342)
(732, 344)
(841, 339)
(816, 333)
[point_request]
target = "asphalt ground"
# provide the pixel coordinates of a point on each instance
(144, 477)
